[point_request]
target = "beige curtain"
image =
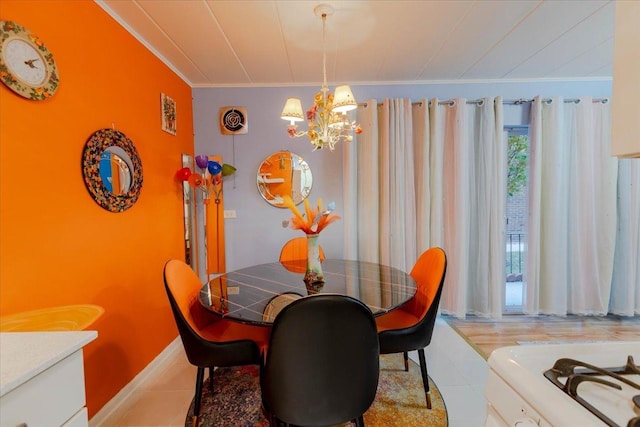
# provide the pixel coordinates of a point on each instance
(625, 286)
(423, 176)
(572, 226)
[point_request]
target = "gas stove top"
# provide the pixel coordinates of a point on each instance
(605, 388)
(591, 384)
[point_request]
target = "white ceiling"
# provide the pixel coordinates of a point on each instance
(279, 42)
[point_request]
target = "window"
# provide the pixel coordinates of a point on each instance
(517, 212)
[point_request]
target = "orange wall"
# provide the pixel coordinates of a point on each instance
(57, 246)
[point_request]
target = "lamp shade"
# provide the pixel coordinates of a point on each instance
(228, 169)
(343, 100)
(292, 110)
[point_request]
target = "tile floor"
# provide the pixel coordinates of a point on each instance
(456, 368)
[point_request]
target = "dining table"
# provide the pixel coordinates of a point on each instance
(255, 294)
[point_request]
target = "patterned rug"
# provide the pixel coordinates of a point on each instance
(235, 401)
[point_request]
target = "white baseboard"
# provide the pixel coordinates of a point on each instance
(101, 418)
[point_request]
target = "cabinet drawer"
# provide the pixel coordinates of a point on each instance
(49, 399)
(81, 419)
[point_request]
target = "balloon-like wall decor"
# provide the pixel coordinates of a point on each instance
(210, 177)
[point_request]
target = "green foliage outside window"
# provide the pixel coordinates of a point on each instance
(517, 158)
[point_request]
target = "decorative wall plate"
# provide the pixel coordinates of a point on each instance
(26, 65)
(104, 148)
(233, 120)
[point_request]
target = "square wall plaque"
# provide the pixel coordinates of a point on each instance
(168, 106)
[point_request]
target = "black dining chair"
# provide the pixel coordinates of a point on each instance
(209, 340)
(323, 363)
(410, 326)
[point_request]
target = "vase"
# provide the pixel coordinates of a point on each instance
(313, 277)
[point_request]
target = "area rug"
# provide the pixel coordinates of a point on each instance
(235, 401)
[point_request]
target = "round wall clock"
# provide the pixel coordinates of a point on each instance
(26, 65)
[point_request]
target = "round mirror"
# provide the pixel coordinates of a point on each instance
(284, 173)
(115, 170)
(112, 170)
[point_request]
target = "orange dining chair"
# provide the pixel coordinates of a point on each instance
(410, 326)
(76, 317)
(296, 249)
(208, 339)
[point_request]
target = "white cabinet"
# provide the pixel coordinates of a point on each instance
(625, 113)
(78, 420)
(43, 379)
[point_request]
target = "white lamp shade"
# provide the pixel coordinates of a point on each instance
(292, 110)
(343, 100)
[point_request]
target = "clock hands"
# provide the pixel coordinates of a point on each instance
(30, 62)
(32, 69)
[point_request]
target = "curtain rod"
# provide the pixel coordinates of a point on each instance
(520, 101)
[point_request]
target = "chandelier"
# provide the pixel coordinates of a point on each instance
(328, 121)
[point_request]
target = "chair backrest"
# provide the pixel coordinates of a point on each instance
(429, 272)
(277, 303)
(183, 286)
(296, 249)
(323, 362)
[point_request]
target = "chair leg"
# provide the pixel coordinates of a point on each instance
(425, 377)
(211, 378)
(198, 396)
(406, 361)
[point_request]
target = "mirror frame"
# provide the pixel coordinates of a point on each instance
(98, 143)
(262, 188)
(190, 217)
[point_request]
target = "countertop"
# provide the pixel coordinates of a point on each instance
(23, 355)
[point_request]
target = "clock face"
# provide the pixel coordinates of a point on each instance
(26, 65)
(25, 61)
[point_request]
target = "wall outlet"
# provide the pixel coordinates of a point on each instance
(229, 214)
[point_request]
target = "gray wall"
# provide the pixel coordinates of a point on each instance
(256, 235)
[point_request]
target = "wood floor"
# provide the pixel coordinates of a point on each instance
(486, 335)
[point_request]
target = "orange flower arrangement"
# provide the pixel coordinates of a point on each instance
(313, 221)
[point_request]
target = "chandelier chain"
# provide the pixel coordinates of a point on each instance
(324, 52)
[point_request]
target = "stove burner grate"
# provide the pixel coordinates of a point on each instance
(577, 372)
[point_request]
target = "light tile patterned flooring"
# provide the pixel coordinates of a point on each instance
(457, 369)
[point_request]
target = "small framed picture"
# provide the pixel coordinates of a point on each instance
(169, 122)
